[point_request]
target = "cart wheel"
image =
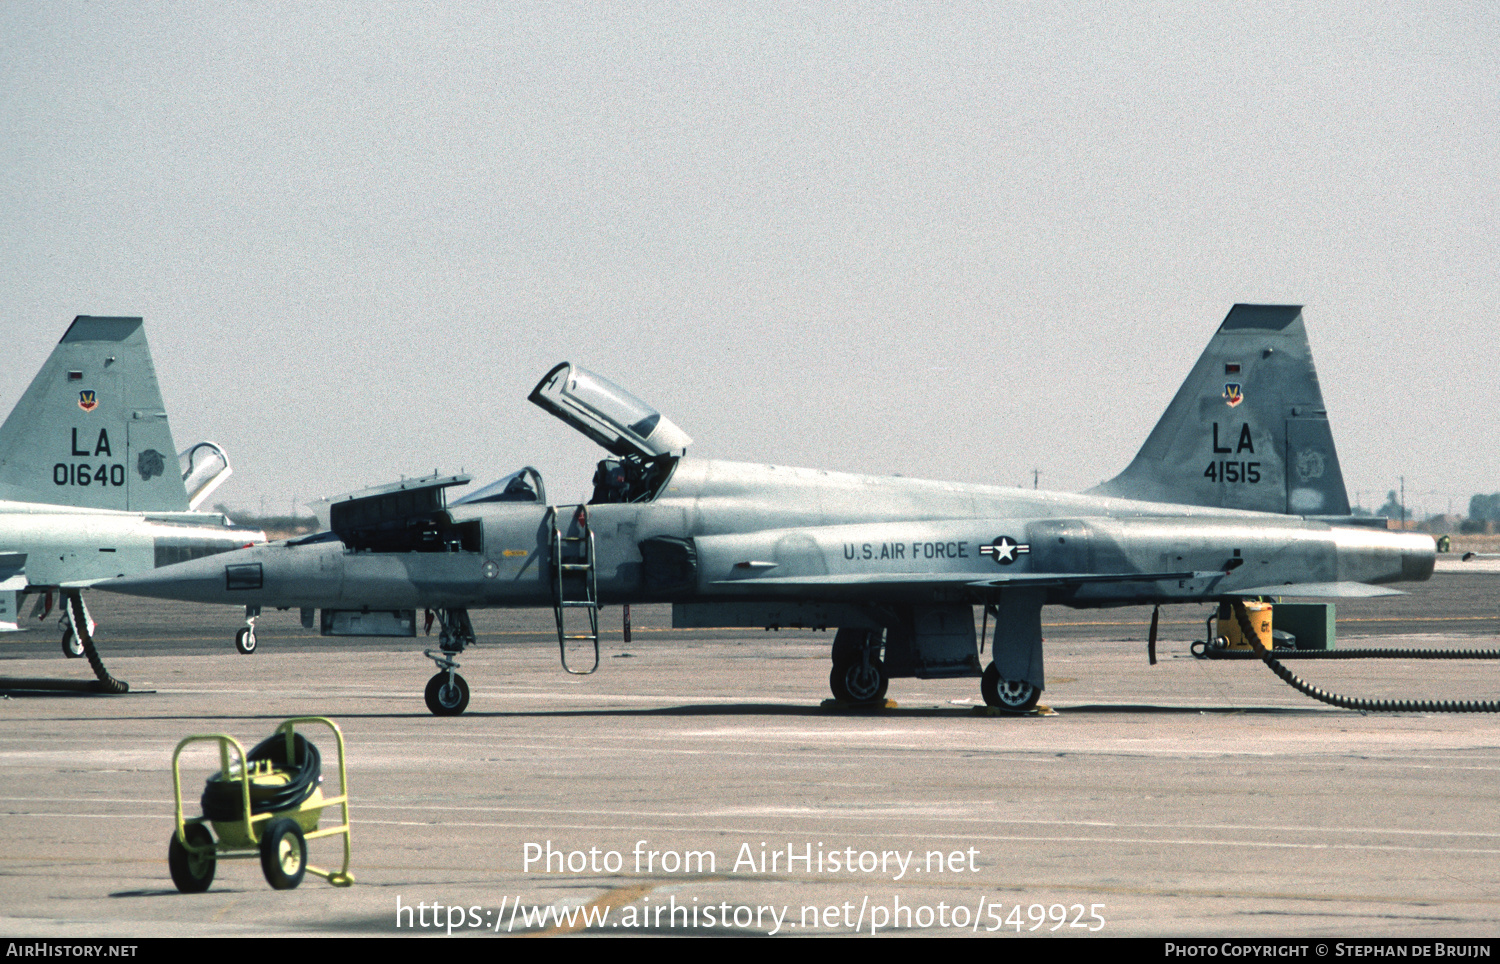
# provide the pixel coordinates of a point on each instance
(192, 872)
(283, 854)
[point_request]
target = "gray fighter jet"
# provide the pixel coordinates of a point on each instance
(91, 486)
(1236, 493)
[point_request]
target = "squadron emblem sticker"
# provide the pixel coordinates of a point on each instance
(1232, 394)
(87, 400)
(1310, 465)
(150, 464)
(1004, 550)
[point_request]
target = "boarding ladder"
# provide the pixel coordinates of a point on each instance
(575, 581)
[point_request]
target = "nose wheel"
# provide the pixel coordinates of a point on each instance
(75, 614)
(447, 694)
(244, 640)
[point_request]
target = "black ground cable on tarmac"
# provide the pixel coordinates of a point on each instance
(79, 618)
(223, 798)
(1218, 653)
(1354, 703)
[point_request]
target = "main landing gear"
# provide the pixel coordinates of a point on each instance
(859, 677)
(447, 693)
(1015, 696)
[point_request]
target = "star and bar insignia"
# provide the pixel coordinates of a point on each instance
(1004, 550)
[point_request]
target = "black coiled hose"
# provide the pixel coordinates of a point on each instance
(1202, 652)
(223, 799)
(1379, 706)
(1357, 703)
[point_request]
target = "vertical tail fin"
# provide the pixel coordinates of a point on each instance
(91, 429)
(1247, 430)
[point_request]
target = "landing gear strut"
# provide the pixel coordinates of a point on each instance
(859, 677)
(447, 693)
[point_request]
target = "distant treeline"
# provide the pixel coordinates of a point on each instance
(1485, 508)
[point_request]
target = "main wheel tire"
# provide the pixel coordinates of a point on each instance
(857, 683)
(72, 646)
(283, 854)
(244, 641)
(445, 699)
(1015, 696)
(192, 873)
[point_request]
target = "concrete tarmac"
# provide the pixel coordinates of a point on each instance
(698, 785)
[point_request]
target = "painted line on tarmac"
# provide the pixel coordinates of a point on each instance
(992, 838)
(865, 815)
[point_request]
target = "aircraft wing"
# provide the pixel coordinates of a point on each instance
(1046, 580)
(928, 580)
(1320, 590)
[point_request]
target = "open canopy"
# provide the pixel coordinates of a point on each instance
(607, 413)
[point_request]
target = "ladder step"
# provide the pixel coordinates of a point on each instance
(572, 560)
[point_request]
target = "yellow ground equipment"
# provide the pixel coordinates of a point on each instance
(265, 803)
(1257, 620)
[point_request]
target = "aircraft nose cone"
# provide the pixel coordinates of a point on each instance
(198, 580)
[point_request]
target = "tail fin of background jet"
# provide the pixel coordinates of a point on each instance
(91, 429)
(1247, 430)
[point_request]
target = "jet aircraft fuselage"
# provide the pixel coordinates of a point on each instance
(766, 532)
(1236, 493)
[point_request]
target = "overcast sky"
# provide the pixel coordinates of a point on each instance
(942, 240)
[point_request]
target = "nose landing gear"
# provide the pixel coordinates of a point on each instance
(447, 693)
(244, 640)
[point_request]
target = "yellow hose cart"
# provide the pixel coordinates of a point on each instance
(266, 803)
